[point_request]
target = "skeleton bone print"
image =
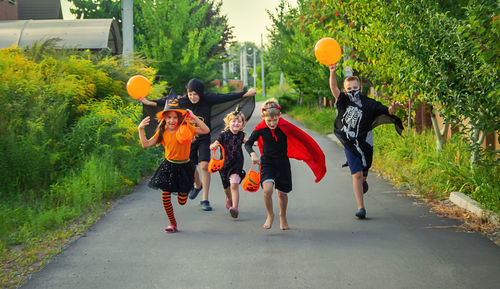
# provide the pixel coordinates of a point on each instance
(351, 120)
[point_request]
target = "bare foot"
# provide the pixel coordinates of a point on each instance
(284, 224)
(269, 222)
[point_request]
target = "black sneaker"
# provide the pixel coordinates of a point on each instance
(365, 187)
(205, 206)
(194, 193)
(361, 213)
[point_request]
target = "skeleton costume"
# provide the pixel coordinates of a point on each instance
(357, 116)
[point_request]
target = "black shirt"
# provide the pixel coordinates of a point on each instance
(275, 142)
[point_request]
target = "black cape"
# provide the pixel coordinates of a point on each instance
(354, 122)
(212, 108)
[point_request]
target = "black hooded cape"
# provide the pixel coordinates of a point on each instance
(212, 108)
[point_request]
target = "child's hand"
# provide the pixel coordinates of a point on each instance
(214, 145)
(250, 92)
(333, 67)
(144, 122)
(255, 158)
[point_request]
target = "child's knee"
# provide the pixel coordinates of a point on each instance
(204, 166)
(357, 175)
(282, 196)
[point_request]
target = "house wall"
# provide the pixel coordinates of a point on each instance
(8, 9)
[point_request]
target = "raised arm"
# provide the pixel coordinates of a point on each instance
(146, 143)
(215, 98)
(202, 127)
(333, 81)
(148, 102)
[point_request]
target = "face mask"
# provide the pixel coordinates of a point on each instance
(353, 95)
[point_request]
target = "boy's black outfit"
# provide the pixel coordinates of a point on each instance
(357, 116)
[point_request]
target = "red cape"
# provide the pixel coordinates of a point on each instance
(300, 147)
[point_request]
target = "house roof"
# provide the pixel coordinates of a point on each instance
(39, 9)
(94, 34)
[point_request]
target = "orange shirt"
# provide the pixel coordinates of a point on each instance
(174, 150)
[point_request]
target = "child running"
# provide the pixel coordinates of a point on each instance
(201, 102)
(357, 115)
(176, 172)
(278, 141)
(231, 140)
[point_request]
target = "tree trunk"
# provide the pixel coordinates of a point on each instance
(477, 138)
(440, 133)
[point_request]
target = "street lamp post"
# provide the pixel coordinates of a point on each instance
(128, 28)
(262, 66)
(245, 76)
(254, 70)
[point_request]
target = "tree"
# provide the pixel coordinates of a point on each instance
(184, 38)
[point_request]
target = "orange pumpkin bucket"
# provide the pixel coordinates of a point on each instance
(215, 164)
(251, 181)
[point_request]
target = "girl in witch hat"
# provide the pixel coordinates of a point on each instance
(202, 104)
(231, 140)
(176, 172)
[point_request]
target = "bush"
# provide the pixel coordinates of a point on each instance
(68, 121)
(412, 163)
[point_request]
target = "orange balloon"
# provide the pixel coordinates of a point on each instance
(327, 51)
(138, 86)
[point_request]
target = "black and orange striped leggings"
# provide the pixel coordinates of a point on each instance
(167, 205)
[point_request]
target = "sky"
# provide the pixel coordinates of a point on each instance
(249, 17)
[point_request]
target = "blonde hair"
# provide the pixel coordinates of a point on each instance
(232, 115)
(352, 78)
(271, 108)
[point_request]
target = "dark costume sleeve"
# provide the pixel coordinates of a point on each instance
(382, 116)
(220, 110)
(249, 144)
(215, 98)
(151, 111)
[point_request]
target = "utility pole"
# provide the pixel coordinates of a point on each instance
(245, 76)
(241, 65)
(254, 70)
(224, 77)
(128, 29)
(262, 66)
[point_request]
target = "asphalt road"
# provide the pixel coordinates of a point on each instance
(400, 245)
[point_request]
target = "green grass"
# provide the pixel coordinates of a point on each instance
(320, 121)
(412, 163)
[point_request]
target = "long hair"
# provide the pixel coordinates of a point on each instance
(163, 122)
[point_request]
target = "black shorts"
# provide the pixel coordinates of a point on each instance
(279, 171)
(200, 150)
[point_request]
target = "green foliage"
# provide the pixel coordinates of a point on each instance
(412, 163)
(184, 38)
(285, 95)
(68, 134)
(315, 119)
(293, 36)
(443, 53)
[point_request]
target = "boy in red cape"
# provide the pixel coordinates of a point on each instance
(278, 141)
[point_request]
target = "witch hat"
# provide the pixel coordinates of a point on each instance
(171, 104)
